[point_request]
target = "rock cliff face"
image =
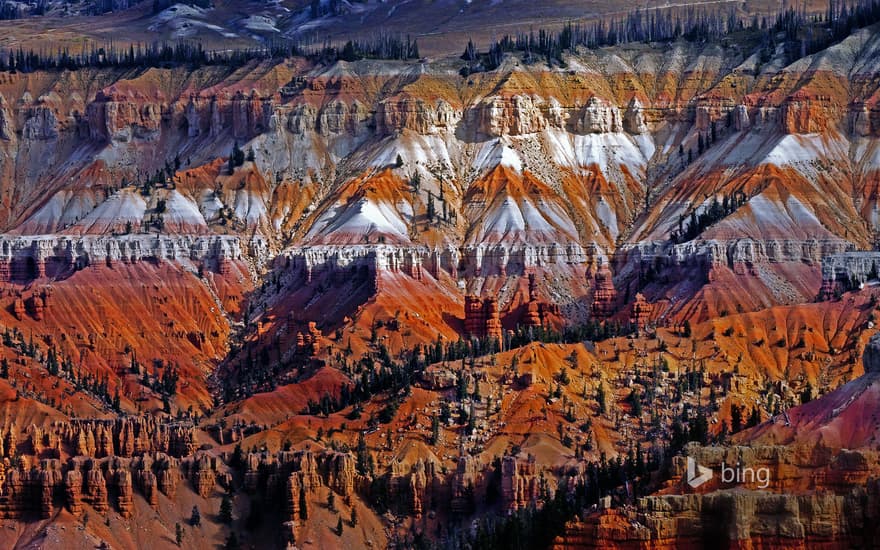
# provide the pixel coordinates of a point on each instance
(102, 484)
(591, 155)
(604, 293)
(411, 113)
(847, 271)
(520, 484)
(112, 481)
(123, 437)
(481, 318)
(26, 258)
(784, 513)
(738, 520)
(741, 254)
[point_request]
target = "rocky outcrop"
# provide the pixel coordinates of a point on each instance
(338, 117)
(462, 486)
(120, 118)
(123, 437)
(27, 258)
(338, 472)
(167, 480)
(73, 485)
(308, 342)
(516, 259)
(520, 485)
(103, 484)
(806, 113)
(312, 261)
(7, 122)
(600, 117)
(250, 114)
(634, 118)
(417, 488)
(737, 520)
(740, 255)
(19, 309)
(414, 261)
(147, 483)
(10, 441)
(864, 120)
(406, 112)
(787, 512)
(511, 115)
(40, 123)
(741, 119)
(95, 489)
(604, 294)
(125, 493)
(640, 312)
(537, 312)
(846, 271)
(481, 319)
(204, 475)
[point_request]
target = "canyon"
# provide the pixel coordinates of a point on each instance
(311, 302)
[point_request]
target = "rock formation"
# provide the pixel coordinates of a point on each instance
(604, 293)
(519, 483)
(600, 118)
(309, 342)
(481, 318)
(786, 514)
(846, 271)
(124, 437)
(24, 258)
(640, 312)
(462, 486)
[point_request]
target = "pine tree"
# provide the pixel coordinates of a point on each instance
(807, 394)
(178, 533)
(431, 208)
(195, 518)
(435, 430)
(339, 527)
(225, 515)
(735, 418)
(600, 398)
(754, 418)
(303, 505)
(635, 400)
(331, 501)
(699, 429)
(236, 158)
(237, 459)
